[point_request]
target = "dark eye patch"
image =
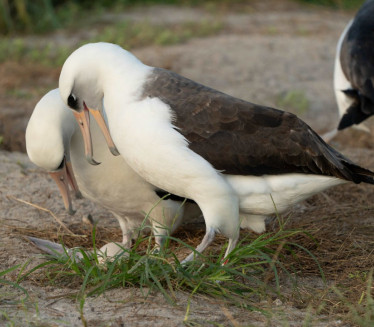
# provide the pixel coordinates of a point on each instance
(72, 102)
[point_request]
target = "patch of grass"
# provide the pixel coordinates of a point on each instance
(16, 298)
(43, 16)
(130, 35)
(252, 272)
(17, 49)
(127, 34)
(27, 16)
(341, 4)
(362, 312)
(15, 285)
(17, 307)
(19, 93)
(294, 101)
(360, 275)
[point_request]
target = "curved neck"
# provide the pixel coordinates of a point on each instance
(125, 79)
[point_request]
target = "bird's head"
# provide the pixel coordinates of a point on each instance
(48, 135)
(81, 89)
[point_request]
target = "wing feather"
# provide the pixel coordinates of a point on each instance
(238, 137)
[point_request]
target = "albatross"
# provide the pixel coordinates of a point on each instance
(54, 143)
(235, 159)
(354, 71)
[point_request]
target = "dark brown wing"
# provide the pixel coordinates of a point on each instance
(242, 138)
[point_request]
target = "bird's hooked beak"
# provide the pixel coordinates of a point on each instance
(83, 119)
(104, 128)
(64, 177)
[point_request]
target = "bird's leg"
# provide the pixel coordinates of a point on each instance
(160, 233)
(216, 211)
(127, 239)
(230, 247)
(126, 230)
(208, 239)
(160, 240)
(166, 219)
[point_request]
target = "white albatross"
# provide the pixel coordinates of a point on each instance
(228, 155)
(53, 139)
(354, 71)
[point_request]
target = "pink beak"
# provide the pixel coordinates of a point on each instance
(63, 178)
(83, 119)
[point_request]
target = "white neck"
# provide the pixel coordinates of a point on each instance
(49, 131)
(122, 85)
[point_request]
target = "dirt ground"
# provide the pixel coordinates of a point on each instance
(266, 51)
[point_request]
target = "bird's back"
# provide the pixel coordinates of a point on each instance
(242, 138)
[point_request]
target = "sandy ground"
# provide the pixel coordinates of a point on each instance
(263, 54)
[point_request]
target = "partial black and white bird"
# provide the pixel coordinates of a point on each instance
(354, 71)
(54, 143)
(232, 157)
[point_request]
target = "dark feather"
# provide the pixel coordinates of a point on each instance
(242, 138)
(357, 112)
(169, 196)
(353, 116)
(357, 58)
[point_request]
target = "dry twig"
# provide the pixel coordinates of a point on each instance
(46, 210)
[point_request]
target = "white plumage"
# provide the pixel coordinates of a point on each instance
(52, 134)
(151, 134)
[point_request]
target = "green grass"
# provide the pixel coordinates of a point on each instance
(127, 34)
(340, 4)
(252, 274)
(27, 16)
(15, 285)
(17, 49)
(43, 16)
(294, 101)
(253, 271)
(130, 35)
(362, 312)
